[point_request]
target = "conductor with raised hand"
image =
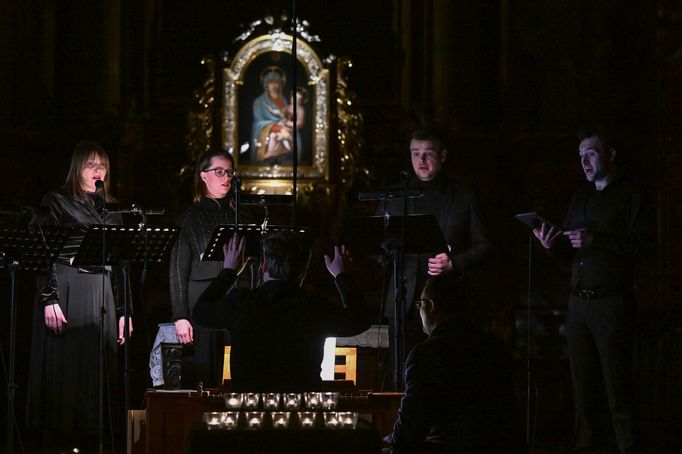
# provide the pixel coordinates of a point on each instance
(278, 329)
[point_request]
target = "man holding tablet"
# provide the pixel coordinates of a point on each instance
(606, 231)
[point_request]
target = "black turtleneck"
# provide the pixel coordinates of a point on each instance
(198, 222)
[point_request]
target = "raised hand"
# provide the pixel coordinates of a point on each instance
(233, 252)
(341, 261)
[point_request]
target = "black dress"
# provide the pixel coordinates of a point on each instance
(63, 391)
(189, 277)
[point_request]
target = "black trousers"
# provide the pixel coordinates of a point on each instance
(600, 335)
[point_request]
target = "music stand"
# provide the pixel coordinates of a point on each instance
(265, 201)
(124, 244)
(33, 249)
(253, 233)
(377, 235)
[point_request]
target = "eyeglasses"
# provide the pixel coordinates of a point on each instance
(219, 172)
(420, 302)
(94, 166)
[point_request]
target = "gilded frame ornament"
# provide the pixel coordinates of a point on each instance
(274, 176)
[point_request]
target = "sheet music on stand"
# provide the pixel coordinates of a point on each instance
(125, 242)
(34, 248)
(253, 233)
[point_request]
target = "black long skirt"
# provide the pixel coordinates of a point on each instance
(203, 360)
(64, 377)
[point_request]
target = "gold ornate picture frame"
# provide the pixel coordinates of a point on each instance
(257, 128)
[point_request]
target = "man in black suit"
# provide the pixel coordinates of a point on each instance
(278, 330)
(460, 218)
(458, 395)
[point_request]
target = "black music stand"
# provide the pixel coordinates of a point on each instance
(253, 233)
(265, 201)
(382, 235)
(123, 244)
(33, 249)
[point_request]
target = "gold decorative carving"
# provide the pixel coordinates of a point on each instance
(200, 119)
(349, 129)
(277, 178)
(334, 122)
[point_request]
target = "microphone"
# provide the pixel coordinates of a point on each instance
(101, 203)
(236, 188)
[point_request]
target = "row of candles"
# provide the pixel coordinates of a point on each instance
(280, 419)
(288, 401)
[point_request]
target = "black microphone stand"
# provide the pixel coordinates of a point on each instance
(294, 85)
(13, 266)
(99, 184)
(398, 252)
(236, 183)
(29, 249)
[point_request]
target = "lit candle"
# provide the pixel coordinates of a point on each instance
(251, 401)
(213, 419)
(330, 420)
(292, 401)
(233, 401)
(307, 419)
(280, 420)
(348, 419)
(231, 419)
(271, 401)
(254, 419)
(312, 400)
(329, 400)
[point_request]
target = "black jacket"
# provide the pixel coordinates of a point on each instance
(278, 330)
(458, 393)
(78, 216)
(462, 222)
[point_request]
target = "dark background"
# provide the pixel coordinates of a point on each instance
(510, 81)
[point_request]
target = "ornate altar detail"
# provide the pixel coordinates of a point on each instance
(200, 118)
(348, 129)
(246, 107)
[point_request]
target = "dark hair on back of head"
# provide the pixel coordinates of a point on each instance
(287, 254)
(449, 292)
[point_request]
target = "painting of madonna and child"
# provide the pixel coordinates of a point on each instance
(266, 111)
